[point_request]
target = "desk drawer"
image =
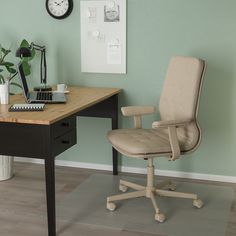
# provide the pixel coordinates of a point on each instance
(63, 126)
(62, 143)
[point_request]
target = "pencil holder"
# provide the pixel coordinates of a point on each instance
(4, 93)
(6, 167)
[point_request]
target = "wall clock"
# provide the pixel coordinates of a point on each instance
(59, 9)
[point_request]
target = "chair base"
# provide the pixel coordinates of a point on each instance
(164, 189)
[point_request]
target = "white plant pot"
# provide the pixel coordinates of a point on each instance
(4, 93)
(6, 167)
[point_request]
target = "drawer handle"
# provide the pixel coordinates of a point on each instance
(65, 142)
(65, 124)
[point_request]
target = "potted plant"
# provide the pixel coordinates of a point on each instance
(7, 73)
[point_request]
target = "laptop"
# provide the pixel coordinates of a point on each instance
(39, 96)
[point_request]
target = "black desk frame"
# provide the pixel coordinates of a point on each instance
(21, 139)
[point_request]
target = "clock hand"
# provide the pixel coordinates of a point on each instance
(57, 3)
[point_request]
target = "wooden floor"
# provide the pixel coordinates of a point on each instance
(23, 206)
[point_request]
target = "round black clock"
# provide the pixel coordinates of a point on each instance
(59, 9)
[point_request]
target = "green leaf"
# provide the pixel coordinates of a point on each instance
(26, 68)
(7, 64)
(24, 44)
(25, 59)
(5, 51)
(11, 70)
(33, 52)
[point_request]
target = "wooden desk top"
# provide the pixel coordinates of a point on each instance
(78, 99)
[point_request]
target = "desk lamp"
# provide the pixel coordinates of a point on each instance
(26, 52)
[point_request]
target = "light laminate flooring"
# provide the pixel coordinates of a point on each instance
(23, 203)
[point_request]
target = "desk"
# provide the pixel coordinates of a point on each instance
(46, 134)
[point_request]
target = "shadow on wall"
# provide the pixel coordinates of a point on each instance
(216, 110)
(216, 107)
(67, 64)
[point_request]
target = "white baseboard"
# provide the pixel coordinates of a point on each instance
(178, 174)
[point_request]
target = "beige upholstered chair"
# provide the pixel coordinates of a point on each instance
(176, 134)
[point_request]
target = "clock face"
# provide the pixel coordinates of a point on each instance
(59, 9)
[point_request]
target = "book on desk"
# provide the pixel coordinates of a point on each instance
(26, 107)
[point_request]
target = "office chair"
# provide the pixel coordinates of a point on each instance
(177, 133)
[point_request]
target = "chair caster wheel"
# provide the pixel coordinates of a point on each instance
(198, 203)
(160, 217)
(172, 187)
(123, 188)
(111, 206)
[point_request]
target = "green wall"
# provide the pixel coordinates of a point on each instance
(156, 30)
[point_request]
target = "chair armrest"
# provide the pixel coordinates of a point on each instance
(137, 112)
(170, 123)
(174, 143)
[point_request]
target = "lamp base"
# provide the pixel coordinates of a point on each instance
(43, 88)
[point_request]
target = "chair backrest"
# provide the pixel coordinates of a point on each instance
(180, 97)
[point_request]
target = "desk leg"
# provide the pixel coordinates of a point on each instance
(50, 191)
(106, 109)
(115, 126)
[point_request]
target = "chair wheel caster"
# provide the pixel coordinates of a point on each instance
(172, 187)
(111, 206)
(198, 203)
(123, 188)
(160, 217)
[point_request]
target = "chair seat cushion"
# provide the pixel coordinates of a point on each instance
(140, 142)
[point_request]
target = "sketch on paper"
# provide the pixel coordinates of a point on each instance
(112, 14)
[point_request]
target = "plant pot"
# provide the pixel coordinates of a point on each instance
(6, 167)
(4, 93)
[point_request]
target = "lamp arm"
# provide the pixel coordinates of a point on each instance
(43, 65)
(37, 47)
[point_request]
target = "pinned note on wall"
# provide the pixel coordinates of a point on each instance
(103, 36)
(114, 53)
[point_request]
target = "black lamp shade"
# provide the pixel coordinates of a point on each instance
(23, 52)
